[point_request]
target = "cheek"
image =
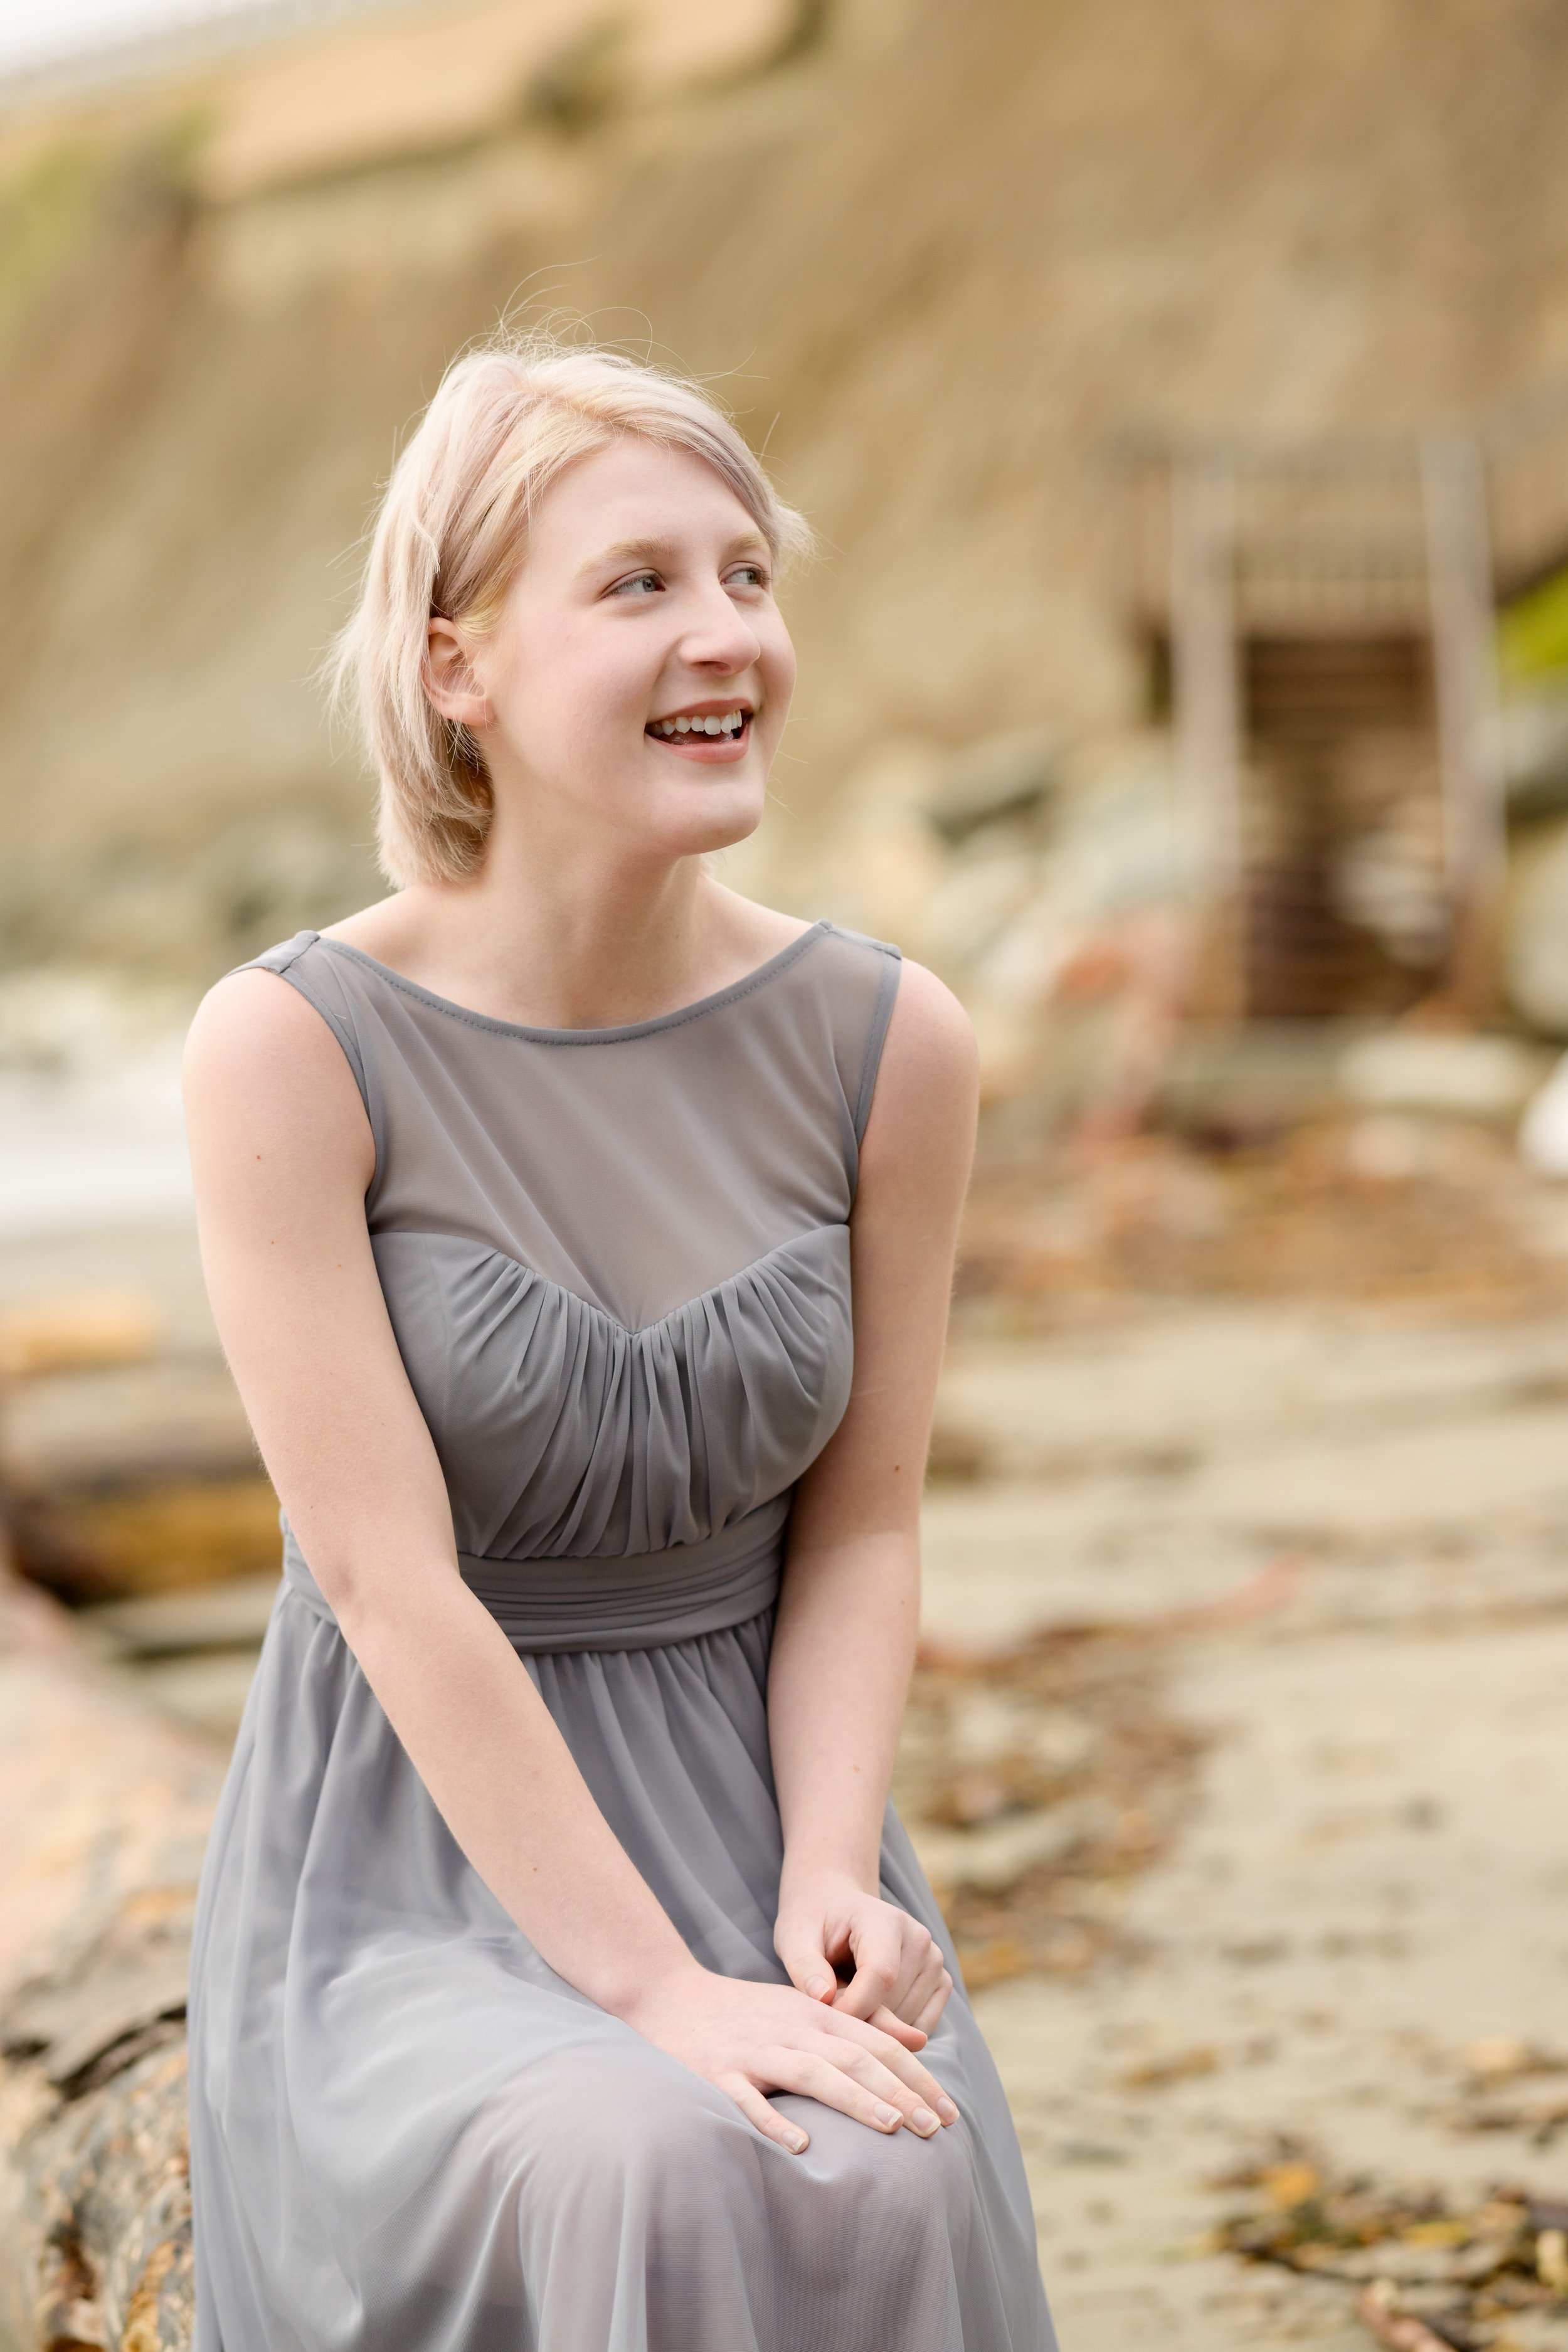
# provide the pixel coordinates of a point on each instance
(573, 689)
(776, 686)
(778, 667)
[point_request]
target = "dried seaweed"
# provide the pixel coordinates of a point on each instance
(1060, 1755)
(1429, 2275)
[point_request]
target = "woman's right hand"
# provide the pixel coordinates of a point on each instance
(750, 2038)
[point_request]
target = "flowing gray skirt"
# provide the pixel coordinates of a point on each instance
(410, 2134)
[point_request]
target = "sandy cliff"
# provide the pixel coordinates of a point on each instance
(939, 258)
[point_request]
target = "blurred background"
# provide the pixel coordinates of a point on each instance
(1180, 391)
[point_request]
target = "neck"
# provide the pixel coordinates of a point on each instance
(564, 944)
(572, 932)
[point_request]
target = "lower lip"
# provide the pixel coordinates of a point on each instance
(705, 750)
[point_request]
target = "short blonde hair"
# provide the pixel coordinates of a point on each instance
(451, 535)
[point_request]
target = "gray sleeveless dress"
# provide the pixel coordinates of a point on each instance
(618, 1265)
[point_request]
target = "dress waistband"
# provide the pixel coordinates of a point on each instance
(637, 1603)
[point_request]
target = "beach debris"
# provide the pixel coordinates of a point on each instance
(1504, 2091)
(1036, 1783)
(1430, 2275)
(1306, 1212)
(1175, 2066)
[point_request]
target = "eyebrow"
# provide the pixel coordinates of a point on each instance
(654, 551)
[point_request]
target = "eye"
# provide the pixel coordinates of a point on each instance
(638, 583)
(749, 575)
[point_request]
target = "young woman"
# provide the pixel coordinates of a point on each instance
(580, 1235)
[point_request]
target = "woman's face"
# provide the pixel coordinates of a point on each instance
(640, 672)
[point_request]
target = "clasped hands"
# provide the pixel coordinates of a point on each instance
(851, 2045)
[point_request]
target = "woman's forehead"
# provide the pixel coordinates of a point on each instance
(633, 494)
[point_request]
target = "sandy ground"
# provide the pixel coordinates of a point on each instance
(1374, 1876)
(1343, 1534)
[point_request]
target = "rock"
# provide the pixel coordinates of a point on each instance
(1534, 948)
(1455, 1076)
(151, 1538)
(1544, 1131)
(231, 1615)
(1000, 778)
(122, 1476)
(1529, 747)
(878, 864)
(104, 1813)
(79, 1330)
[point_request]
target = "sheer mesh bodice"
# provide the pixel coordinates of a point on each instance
(637, 1168)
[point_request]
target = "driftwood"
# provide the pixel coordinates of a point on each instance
(1401, 2331)
(104, 1808)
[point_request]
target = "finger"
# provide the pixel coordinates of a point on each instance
(926, 1965)
(809, 1969)
(876, 1971)
(912, 1994)
(931, 2013)
(763, 2113)
(894, 1955)
(925, 1981)
(896, 2058)
(917, 2110)
(885, 2022)
(818, 2077)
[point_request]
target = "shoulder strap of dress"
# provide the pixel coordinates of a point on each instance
(889, 961)
(281, 958)
(876, 1037)
(319, 984)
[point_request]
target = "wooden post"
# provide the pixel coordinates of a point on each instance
(1208, 713)
(1459, 571)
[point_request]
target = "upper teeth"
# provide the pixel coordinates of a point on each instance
(730, 724)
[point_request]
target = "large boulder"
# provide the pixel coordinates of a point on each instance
(1534, 947)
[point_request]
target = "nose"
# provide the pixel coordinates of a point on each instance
(720, 638)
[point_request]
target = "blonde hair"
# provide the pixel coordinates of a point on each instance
(452, 531)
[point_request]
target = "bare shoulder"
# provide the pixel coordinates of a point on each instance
(928, 1085)
(260, 1064)
(255, 1016)
(931, 1040)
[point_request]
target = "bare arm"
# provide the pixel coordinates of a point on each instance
(282, 1154)
(850, 1612)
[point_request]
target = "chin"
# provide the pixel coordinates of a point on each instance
(713, 819)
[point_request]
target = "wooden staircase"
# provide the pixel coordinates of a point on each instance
(1326, 614)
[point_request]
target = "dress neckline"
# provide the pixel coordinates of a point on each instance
(758, 977)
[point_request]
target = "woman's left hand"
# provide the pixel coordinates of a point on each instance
(898, 1980)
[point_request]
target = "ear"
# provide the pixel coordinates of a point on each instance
(450, 679)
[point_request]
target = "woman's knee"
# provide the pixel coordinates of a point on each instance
(629, 2122)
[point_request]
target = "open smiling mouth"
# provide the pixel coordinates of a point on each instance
(716, 732)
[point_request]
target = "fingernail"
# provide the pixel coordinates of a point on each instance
(819, 1988)
(888, 2116)
(924, 2122)
(947, 2111)
(796, 2141)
